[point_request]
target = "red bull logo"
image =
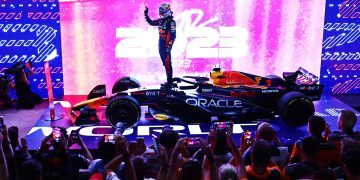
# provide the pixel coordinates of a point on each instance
(236, 78)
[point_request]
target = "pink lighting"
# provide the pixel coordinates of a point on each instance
(104, 40)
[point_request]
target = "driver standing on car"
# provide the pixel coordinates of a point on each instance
(167, 34)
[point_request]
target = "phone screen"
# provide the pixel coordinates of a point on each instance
(247, 136)
(109, 138)
(222, 126)
(192, 141)
(56, 134)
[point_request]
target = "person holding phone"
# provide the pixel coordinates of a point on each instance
(138, 147)
(265, 131)
(60, 163)
(121, 146)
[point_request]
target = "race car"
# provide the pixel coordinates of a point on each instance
(226, 95)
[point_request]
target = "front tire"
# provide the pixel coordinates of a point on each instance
(123, 109)
(295, 108)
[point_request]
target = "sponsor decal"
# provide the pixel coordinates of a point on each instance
(161, 117)
(242, 94)
(214, 103)
(206, 90)
(268, 82)
(98, 91)
(266, 91)
(152, 93)
(309, 88)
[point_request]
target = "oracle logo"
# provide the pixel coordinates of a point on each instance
(214, 103)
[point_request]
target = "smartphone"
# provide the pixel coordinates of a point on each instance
(74, 134)
(109, 138)
(140, 140)
(222, 126)
(247, 136)
(193, 142)
(56, 134)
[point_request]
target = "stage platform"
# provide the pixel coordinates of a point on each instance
(328, 107)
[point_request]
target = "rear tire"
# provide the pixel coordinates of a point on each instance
(123, 109)
(295, 108)
(125, 83)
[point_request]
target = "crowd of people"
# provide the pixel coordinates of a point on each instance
(321, 155)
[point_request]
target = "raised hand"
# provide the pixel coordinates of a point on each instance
(46, 143)
(205, 146)
(327, 130)
(24, 146)
(180, 145)
(146, 11)
(5, 133)
(77, 140)
(212, 138)
(229, 132)
(62, 144)
(162, 154)
(121, 144)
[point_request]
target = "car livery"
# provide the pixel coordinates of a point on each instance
(228, 95)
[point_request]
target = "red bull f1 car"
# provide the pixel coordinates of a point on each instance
(228, 95)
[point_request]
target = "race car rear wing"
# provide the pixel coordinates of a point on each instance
(301, 77)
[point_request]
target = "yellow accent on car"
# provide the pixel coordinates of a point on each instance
(161, 117)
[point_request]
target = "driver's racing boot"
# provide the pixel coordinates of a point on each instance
(166, 85)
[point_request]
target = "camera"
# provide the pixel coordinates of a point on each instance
(56, 134)
(17, 67)
(193, 142)
(222, 126)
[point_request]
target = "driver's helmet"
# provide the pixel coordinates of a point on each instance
(165, 10)
(217, 67)
(216, 73)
